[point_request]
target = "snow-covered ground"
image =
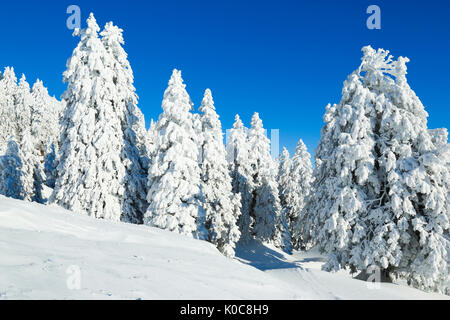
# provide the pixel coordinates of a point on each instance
(45, 250)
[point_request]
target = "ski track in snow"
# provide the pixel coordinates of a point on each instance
(39, 243)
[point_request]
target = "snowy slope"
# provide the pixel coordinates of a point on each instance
(39, 245)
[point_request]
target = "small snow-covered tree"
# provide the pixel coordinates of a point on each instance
(8, 88)
(46, 113)
(174, 177)
(11, 181)
(90, 169)
(283, 176)
(23, 104)
(297, 191)
(20, 174)
(241, 174)
(220, 204)
(24, 109)
(134, 153)
(267, 198)
(284, 188)
(32, 169)
(269, 222)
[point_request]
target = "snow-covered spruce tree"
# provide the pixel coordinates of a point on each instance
(284, 188)
(24, 109)
(219, 202)
(11, 180)
(283, 176)
(32, 168)
(46, 113)
(284, 169)
(410, 223)
(90, 169)
(174, 177)
(23, 104)
(241, 174)
(20, 174)
(379, 193)
(268, 219)
(134, 153)
(8, 88)
(345, 177)
(267, 198)
(298, 189)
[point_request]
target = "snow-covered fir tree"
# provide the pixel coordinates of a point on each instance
(285, 189)
(46, 113)
(344, 176)
(379, 191)
(410, 220)
(20, 124)
(268, 219)
(8, 88)
(20, 174)
(134, 152)
(90, 169)
(241, 174)
(23, 104)
(296, 191)
(283, 176)
(11, 180)
(174, 177)
(222, 207)
(32, 169)
(24, 109)
(267, 198)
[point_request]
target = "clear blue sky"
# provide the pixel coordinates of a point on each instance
(284, 59)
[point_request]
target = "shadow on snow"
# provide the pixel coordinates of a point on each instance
(260, 256)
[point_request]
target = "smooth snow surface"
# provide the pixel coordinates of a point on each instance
(39, 244)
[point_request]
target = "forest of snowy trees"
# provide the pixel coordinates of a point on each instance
(377, 196)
